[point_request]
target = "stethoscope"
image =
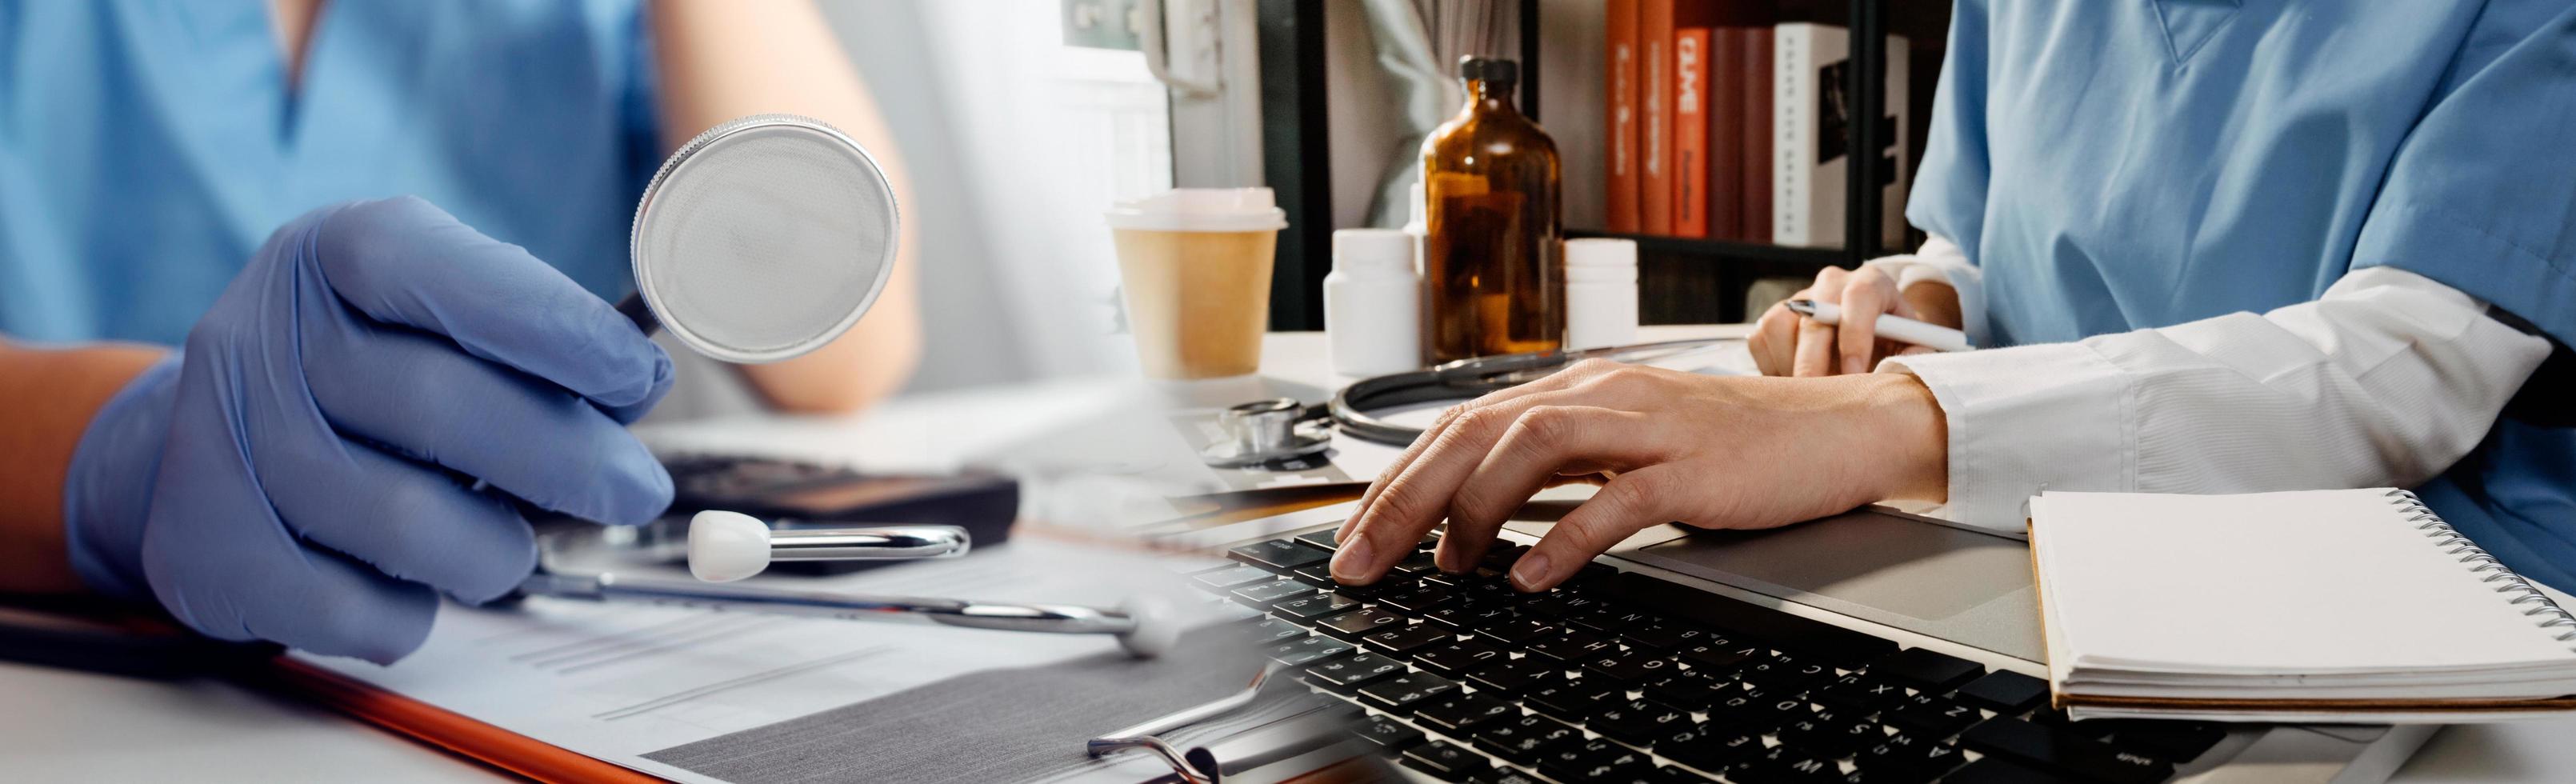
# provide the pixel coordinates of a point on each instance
(1265, 431)
(728, 546)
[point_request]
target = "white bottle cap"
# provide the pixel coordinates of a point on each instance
(1372, 250)
(727, 546)
(1201, 209)
(1600, 252)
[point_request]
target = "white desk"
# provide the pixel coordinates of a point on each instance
(63, 726)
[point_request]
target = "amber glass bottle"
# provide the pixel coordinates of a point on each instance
(1492, 263)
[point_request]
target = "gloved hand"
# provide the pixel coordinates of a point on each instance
(305, 471)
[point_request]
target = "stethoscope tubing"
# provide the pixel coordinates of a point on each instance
(1467, 379)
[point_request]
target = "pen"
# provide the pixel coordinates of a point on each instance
(1899, 328)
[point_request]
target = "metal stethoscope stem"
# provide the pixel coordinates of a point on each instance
(726, 546)
(1050, 618)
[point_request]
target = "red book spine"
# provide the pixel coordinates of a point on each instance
(1758, 127)
(1626, 184)
(1655, 121)
(1726, 133)
(1690, 132)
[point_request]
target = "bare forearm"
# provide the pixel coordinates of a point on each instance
(48, 396)
(720, 61)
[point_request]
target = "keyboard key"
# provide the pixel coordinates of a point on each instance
(1571, 646)
(1272, 630)
(1937, 717)
(1355, 624)
(2060, 751)
(2004, 691)
(1588, 761)
(1231, 577)
(2180, 741)
(1445, 762)
(1322, 539)
(1401, 692)
(1661, 636)
(1459, 658)
(1571, 700)
(1308, 609)
(1419, 600)
(1996, 770)
(1829, 733)
(1927, 670)
(1785, 765)
(1759, 711)
(1304, 650)
(1467, 619)
(1607, 620)
(1319, 575)
(1518, 632)
(1717, 654)
(1832, 644)
(1265, 594)
(1457, 712)
(1419, 563)
(1389, 734)
(1280, 555)
(1685, 690)
(1906, 756)
(1504, 776)
(1628, 666)
(1637, 722)
(1859, 693)
(1348, 674)
(1783, 673)
(1405, 640)
(1709, 749)
(1515, 676)
(1521, 738)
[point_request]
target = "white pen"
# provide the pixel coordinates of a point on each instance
(1899, 328)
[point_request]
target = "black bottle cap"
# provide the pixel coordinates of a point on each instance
(1488, 69)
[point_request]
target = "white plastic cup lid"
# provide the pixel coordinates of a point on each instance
(1201, 209)
(1373, 250)
(1600, 252)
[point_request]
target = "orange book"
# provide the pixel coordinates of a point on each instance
(1621, 110)
(1655, 31)
(1690, 168)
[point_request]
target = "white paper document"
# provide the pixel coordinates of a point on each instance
(617, 681)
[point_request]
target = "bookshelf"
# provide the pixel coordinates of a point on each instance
(1681, 279)
(1687, 279)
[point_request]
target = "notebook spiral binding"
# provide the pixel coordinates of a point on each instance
(2494, 571)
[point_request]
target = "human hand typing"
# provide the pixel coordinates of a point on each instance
(1784, 343)
(344, 432)
(1707, 451)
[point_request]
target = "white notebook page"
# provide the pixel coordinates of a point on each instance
(2309, 582)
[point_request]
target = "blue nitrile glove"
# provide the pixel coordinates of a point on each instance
(306, 470)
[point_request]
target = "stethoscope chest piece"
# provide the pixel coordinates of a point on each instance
(1264, 431)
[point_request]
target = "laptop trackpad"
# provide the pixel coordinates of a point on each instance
(1933, 579)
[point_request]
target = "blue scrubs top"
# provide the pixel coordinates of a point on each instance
(2128, 164)
(147, 147)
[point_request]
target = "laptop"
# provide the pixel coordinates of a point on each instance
(1874, 646)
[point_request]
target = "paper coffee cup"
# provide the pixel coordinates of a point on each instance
(1194, 264)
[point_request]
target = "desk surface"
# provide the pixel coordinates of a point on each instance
(71, 726)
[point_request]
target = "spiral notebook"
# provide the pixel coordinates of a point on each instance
(2334, 605)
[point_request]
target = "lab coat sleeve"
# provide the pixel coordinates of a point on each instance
(1942, 261)
(2385, 380)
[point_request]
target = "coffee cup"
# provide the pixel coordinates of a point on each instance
(1194, 264)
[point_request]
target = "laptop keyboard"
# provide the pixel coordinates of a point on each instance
(1619, 676)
